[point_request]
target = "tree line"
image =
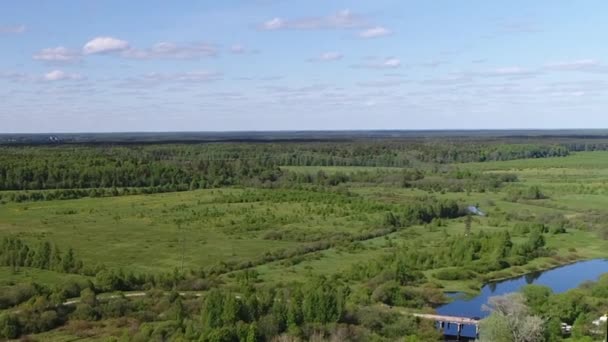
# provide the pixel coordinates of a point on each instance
(194, 166)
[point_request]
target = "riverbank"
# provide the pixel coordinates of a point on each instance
(473, 286)
(559, 279)
(567, 248)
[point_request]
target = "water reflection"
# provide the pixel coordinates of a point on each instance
(531, 277)
(558, 279)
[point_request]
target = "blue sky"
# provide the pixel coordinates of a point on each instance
(98, 66)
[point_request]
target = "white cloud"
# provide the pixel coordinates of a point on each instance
(167, 50)
(433, 64)
(385, 63)
(391, 63)
(327, 57)
(453, 79)
(172, 50)
(509, 72)
(344, 19)
(14, 76)
(12, 29)
(375, 32)
(274, 24)
(58, 75)
(238, 49)
(313, 88)
(383, 83)
(159, 78)
(520, 26)
(101, 45)
(590, 65)
(57, 54)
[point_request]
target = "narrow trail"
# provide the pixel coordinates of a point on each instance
(102, 297)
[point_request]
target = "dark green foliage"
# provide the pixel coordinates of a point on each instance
(19, 293)
(269, 313)
(406, 276)
(9, 326)
(323, 301)
(531, 193)
(16, 253)
(121, 167)
(108, 170)
(536, 296)
(553, 330)
(455, 273)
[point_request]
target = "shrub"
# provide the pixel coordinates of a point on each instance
(455, 274)
(9, 326)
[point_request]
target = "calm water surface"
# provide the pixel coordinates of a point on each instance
(559, 279)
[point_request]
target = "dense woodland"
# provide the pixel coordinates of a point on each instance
(228, 301)
(216, 165)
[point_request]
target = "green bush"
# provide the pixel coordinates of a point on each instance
(455, 274)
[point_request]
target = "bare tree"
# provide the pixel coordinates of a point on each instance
(285, 338)
(510, 320)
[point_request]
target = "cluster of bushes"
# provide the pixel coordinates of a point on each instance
(424, 210)
(456, 257)
(40, 307)
(454, 273)
(523, 228)
(531, 193)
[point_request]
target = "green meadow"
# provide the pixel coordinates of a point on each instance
(205, 227)
(363, 238)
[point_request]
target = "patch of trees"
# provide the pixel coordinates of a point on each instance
(68, 194)
(197, 166)
(269, 314)
(30, 168)
(16, 294)
(578, 307)
(16, 253)
(456, 257)
(424, 210)
(39, 315)
(314, 310)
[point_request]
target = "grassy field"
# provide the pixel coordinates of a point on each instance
(152, 232)
(24, 275)
(148, 232)
(293, 234)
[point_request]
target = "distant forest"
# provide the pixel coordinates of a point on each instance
(189, 166)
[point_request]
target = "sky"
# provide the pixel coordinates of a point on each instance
(159, 65)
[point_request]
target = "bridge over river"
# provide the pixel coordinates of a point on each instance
(445, 321)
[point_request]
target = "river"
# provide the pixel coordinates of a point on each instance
(559, 279)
